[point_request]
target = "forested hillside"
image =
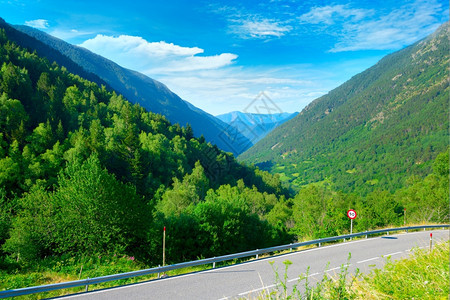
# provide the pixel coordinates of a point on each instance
(84, 171)
(374, 131)
(136, 87)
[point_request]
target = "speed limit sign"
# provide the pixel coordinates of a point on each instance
(351, 214)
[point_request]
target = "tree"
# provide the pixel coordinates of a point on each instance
(31, 234)
(191, 190)
(12, 118)
(97, 213)
(90, 212)
(441, 164)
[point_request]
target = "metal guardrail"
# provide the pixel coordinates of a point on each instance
(213, 260)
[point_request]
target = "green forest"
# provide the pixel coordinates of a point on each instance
(84, 173)
(372, 132)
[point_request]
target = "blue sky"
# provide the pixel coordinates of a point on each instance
(219, 55)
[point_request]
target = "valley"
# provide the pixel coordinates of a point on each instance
(97, 160)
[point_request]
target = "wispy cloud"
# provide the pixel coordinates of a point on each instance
(362, 29)
(39, 23)
(258, 28)
(392, 31)
(250, 25)
(330, 14)
(68, 34)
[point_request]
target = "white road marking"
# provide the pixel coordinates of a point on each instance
(366, 260)
(259, 289)
(345, 266)
(310, 275)
(391, 254)
(269, 286)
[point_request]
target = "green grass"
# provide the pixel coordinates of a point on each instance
(14, 275)
(423, 275)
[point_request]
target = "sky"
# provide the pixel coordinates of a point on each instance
(220, 55)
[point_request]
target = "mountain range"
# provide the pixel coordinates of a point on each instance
(255, 126)
(372, 132)
(136, 87)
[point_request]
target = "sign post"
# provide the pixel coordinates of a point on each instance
(351, 214)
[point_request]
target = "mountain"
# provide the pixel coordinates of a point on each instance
(372, 132)
(136, 87)
(255, 126)
(87, 175)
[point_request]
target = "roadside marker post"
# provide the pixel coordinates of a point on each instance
(164, 246)
(351, 214)
(431, 241)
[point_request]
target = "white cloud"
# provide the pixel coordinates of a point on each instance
(361, 29)
(400, 27)
(155, 57)
(39, 23)
(67, 34)
(138, 45)
(195, 63)
(258, 28)
(329, 14)
(248, 25)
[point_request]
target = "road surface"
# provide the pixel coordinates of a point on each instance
(251, 278)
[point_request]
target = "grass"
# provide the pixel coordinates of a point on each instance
(423, 275)
(15, 275)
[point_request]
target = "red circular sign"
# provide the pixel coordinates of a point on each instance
(351, 214)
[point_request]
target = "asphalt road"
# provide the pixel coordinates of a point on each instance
(251, 278)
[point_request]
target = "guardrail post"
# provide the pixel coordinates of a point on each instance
(257, 255)
(366, 234)
(290, 249)
(87, 285)
(320, 244)
(158, 272)
(214, 263)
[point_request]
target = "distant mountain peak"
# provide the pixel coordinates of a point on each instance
(255, 126)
